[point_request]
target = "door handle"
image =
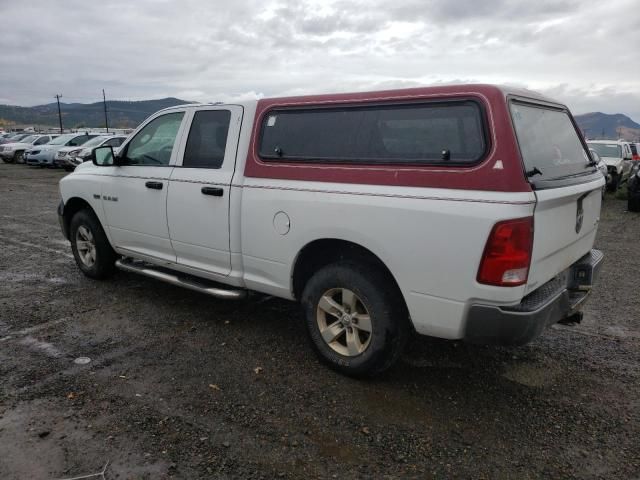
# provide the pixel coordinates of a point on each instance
(154, 185)
(213, 191)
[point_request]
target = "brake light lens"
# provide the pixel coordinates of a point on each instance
(507, 254)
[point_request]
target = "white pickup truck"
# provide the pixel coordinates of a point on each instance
(462, 212)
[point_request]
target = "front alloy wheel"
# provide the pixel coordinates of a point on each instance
(90, 246)
(86, 246)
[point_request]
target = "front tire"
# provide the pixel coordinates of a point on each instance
(18, 157)
(90, 246)
(355, 318)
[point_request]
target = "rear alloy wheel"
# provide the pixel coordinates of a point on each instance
(355, 318)
(18, 157)
(90, 246)
(344, 322)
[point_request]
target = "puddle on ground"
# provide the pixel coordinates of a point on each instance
(530, 375)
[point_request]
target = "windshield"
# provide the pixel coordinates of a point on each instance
(29, 139)
(18, 138)
(94, 142)
(61, 140)
(612, 150)
(549, 143)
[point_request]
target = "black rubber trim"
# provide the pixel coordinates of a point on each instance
(366, 104)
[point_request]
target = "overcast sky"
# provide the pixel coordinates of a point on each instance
(584, 53)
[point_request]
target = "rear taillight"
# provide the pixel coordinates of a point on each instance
(507, 254)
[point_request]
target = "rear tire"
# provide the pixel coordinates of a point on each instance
(18, 157)
(356, 320)
(90, 246)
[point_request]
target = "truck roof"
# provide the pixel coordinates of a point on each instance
(457, 89)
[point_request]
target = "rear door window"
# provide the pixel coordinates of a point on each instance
(549, 143)
(207, 139)
(437, 133)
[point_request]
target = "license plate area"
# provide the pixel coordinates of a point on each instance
(581, 275)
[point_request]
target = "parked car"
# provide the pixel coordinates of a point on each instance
(14, 152)
(70, 157)
(14, 137)
(44, 156)
(382, 213)
(633, 189)
(602, 167)
(617, 155)
(635, 156)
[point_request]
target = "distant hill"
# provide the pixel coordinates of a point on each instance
(74, 115)
(131, 114)
(597, 125)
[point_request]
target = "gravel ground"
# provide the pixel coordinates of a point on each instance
(181, 385)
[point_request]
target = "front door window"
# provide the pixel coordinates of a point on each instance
(153, 144)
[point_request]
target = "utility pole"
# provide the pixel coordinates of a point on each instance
(58, 97)
(104, 102)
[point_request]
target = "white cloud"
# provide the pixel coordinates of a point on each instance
(584, 53)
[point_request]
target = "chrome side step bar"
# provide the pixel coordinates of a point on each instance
(149, 271)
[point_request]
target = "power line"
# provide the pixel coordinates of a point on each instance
(58, 96)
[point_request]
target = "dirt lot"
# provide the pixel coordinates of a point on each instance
(171, 389)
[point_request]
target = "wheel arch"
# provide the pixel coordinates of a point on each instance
(72, 206)
(321, 252)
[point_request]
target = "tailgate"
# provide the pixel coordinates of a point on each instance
(566, 183)
(565, 226)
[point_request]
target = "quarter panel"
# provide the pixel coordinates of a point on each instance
(430, 239)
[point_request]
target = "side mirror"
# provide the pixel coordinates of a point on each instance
(103, 156)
